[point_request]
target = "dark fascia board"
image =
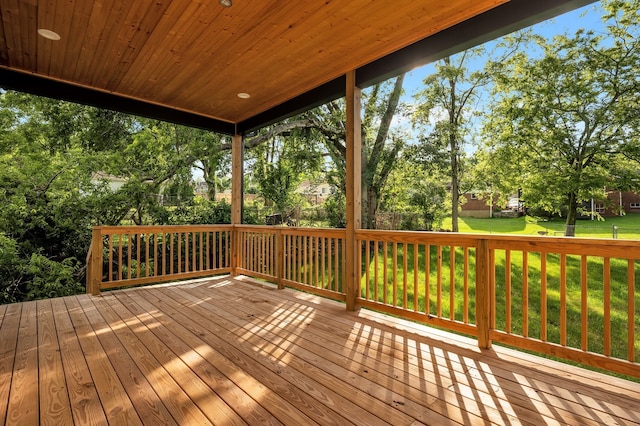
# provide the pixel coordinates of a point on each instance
(36, 85)
(502, 20)
(320, 95)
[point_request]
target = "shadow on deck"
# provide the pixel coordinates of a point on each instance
(227, 351)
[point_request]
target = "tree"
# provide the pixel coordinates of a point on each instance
(49, 150)
(561, 122)
(446, 115)
(381, 144)
(417, 191)
(278, 171)
(325, 126)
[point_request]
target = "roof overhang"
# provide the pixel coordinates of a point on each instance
(473, 29)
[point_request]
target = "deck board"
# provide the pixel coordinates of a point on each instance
(226, 351)
(24, 394)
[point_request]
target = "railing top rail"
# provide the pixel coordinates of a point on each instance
(420, 237)
(161, 228)
(602, 247)
(286, 230)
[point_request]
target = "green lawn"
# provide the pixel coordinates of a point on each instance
(628, 227)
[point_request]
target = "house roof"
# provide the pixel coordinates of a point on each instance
(187, 60)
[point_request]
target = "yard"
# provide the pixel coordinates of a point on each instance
(628, 227)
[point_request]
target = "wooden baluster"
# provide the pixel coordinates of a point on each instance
(584, 308)
(439, 283)
(110, 264)
(366, 265)
(226, 250)
(179, 252)
(120, 260)
(405, 281)
(385, 283)
(194, 252)
(465, 285)
(323, 262)
(543, 296)
(375, 271)
(146, 254)
(416, 293)
(492, 283)
(300, 256)
(394, 302)
(316, 262)
(507, 278)
(631, 279)
(525, 294)
(138, 254)
(607, 306)
(336, 264)
(427, 279)
(280, 265)
(563, 299)
(129, 248)
(452, 282)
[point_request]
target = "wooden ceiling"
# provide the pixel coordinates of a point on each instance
(193, 57)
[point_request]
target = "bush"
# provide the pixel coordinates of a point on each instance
(336, 210)
(52, 279)
(11, 271)
(201, 212)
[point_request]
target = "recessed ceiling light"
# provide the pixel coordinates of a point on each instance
(48, 34)
(226, 3)
(243, 95)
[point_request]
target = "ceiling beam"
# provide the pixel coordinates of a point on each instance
(41, 86)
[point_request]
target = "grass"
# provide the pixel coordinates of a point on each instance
(628, 227)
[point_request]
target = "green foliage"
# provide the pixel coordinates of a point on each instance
(444, 115)
(419, 195)
(200, 212)
(49, 153)
(564, 125)
(11, 271)
(49, 278)
(335, 207)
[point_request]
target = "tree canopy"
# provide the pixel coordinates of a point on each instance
(564, 118)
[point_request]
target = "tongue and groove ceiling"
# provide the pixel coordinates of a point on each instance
(187, 60)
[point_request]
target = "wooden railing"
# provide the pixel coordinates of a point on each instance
(307, 259)
(573, 298)
(125, 256)
(577, 299)
(424, 277)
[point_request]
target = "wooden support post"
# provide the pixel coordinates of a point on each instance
(95, 268)
(484, 299)
(237, 172)
(354, 199)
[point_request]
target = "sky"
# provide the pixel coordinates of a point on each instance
(588, 17)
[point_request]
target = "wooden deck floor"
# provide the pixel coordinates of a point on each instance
(223, 351)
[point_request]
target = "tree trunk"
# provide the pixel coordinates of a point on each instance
(453, 145)
(570, 226)
(370, 207)
(454, 202)
(210, 180)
